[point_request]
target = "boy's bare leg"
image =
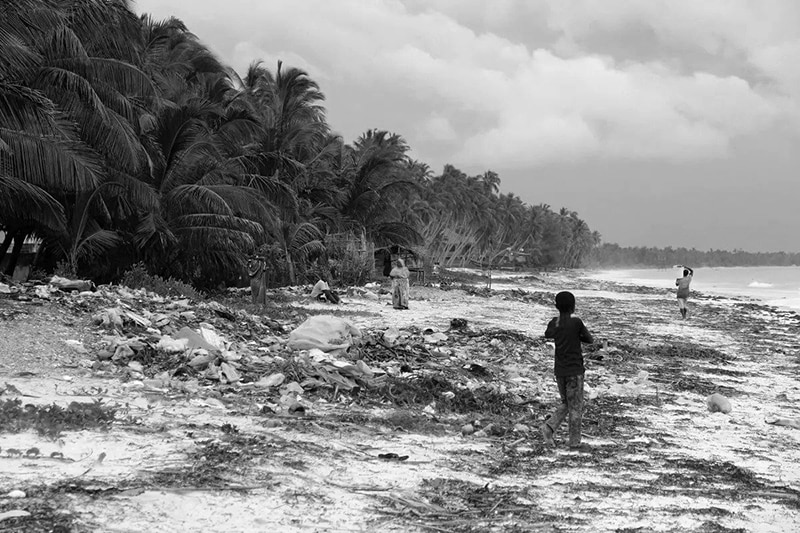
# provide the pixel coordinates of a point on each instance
(558, 416)
(575, 408)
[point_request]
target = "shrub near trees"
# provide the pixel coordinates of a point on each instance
(124, 141)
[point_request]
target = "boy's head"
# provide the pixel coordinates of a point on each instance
(565, 302)
(685, 273)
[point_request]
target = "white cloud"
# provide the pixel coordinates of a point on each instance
(519, 106)
(437, 129)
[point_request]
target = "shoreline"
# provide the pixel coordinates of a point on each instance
(758, 291)
(656, 450)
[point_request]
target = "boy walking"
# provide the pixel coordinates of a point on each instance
(568, 333)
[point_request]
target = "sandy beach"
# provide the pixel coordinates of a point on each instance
(440, 435)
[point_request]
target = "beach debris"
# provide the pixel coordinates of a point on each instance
(391, 456)
(170, 345)
(788, 422)
(458, 323)
(323, 371)
(110, 318)
(273, 380)
(205, 339)
(391, 335)
(326, 333)
(16, 494)
(635, 386)
(431, 336)
(8, 291)
(718, 403)
(68, 285)
(77, 346)
(14, 513)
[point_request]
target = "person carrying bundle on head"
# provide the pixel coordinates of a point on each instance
(683, 288)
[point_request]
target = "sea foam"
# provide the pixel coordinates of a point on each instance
(759, 285)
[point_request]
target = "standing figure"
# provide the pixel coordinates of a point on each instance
(257, 270)
(399, 275)
(683, 288)
(568, 332)
(387, 263)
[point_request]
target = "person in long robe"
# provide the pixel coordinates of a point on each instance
(257, 271)
(400, 290)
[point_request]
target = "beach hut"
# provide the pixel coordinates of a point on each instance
(386, 255)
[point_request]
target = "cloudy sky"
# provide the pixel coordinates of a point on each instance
(661, 122)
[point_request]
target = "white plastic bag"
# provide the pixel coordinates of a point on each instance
(324, 332)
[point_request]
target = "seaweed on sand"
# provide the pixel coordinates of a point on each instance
(51, 420)
(694, 472)
(421, 391)
(47, 512)
(461, 506)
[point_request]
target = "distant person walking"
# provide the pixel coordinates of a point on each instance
(683, 288)
(568, 332)
(400, 290)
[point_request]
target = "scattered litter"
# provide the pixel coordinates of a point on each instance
(324, 332)
(718, 402)
(15, 513)
(392, 457)
(272, 380)
(65, 284)
(789, 422)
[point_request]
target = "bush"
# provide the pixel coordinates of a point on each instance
(137, 277)
(348, 265)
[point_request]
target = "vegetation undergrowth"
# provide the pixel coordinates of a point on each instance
(137, 277)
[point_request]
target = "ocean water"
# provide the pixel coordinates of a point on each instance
(777, 286)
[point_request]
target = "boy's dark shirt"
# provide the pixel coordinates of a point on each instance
(568, 336)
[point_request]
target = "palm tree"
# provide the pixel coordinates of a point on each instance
(374, 179)
(64, 96)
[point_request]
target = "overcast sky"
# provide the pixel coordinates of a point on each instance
(661, 122)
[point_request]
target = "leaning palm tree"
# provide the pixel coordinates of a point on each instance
(374, 180)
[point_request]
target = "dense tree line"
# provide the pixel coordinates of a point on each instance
(613, 255)
(124, 140)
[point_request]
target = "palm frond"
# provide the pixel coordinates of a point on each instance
(123, 76)
(91, 20)
(153, 232)
(59, 83)
(97, 244)
(19, 57)
(25, 108)
(24, 202)
(136, 193)
(211, 221)
(63, 45)
(279, 193)
(195, 237)
(51, 163)
(187, 199)
(243, 201)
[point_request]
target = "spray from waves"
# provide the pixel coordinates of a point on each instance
(759, 285)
